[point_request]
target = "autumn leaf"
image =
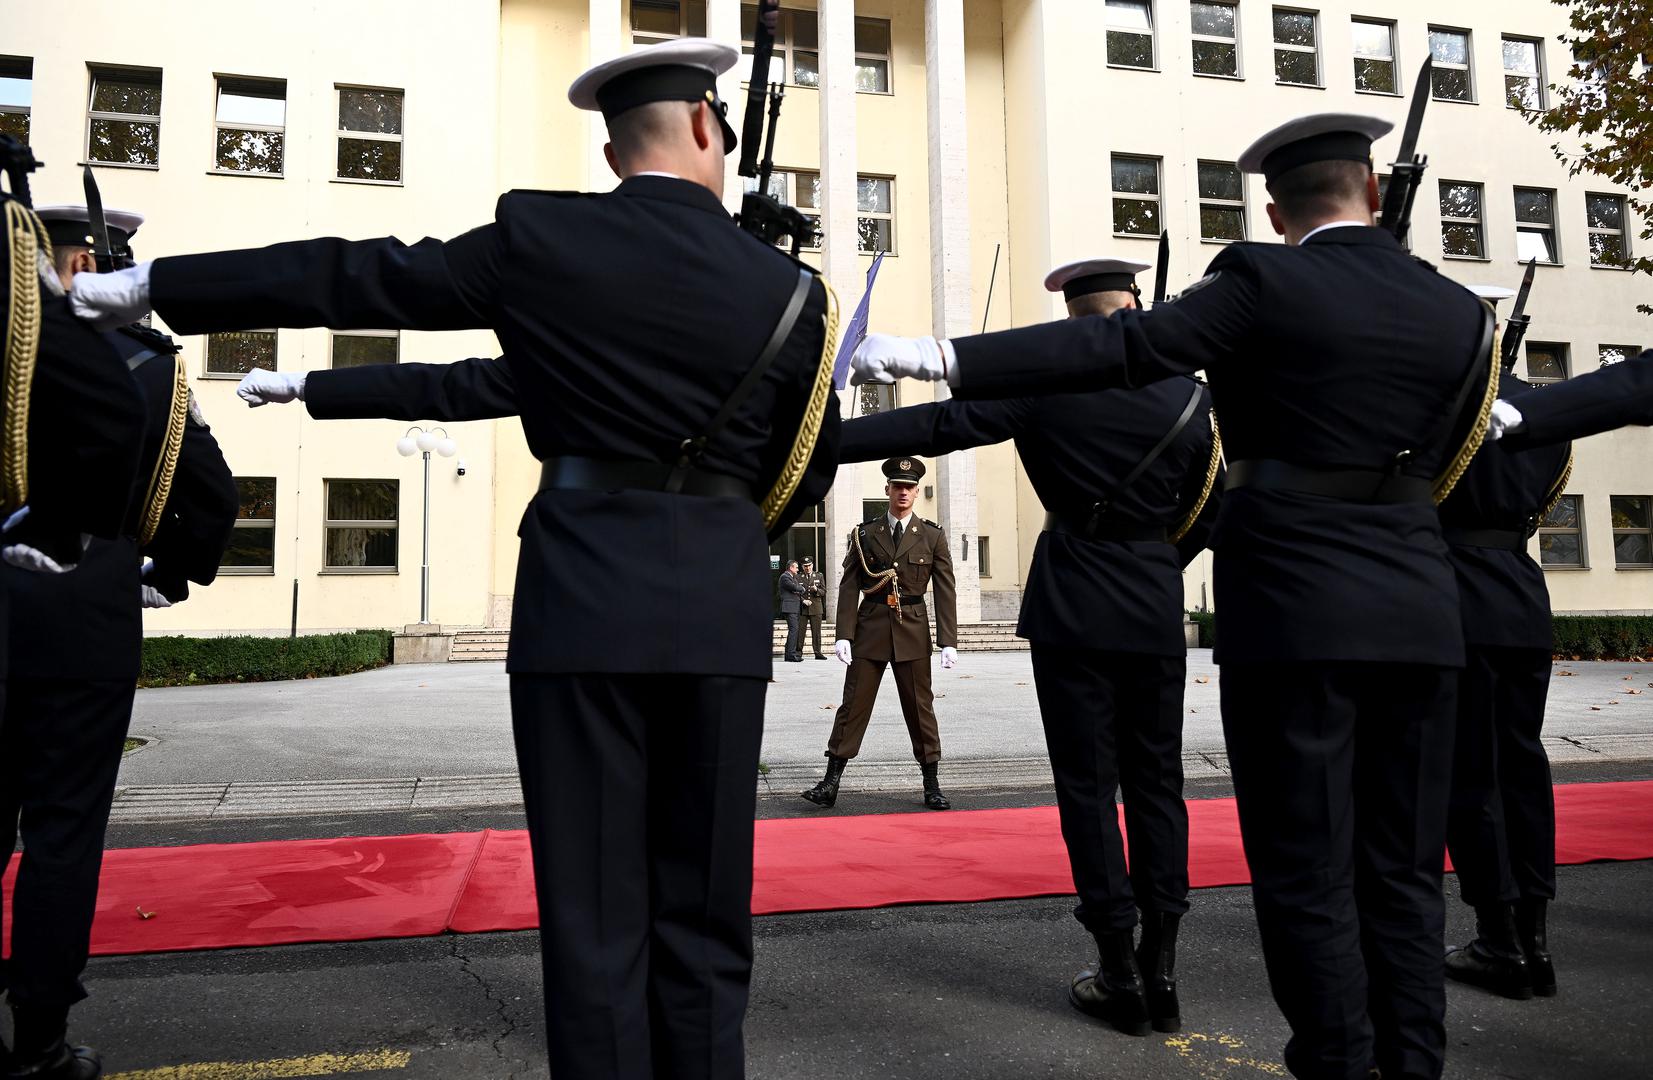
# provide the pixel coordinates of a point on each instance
(1566, 673)
(1202, 680)
(145, 915)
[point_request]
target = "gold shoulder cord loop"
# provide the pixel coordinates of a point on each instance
(1210, 483)
(881, 577)
(28, 241)
(1554, 495)
(1446, 481)
(803, 447)
(166, 465)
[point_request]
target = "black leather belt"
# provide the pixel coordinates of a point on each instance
(879, 601)
(1350, 485)
(589, 474)
(1103, 529)
(1505, 539)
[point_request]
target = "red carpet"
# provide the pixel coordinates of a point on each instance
(226, 895)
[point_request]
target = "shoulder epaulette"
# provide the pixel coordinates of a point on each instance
(930, 523)
(151, 338)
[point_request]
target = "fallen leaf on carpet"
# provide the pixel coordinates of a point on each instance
(142, 914)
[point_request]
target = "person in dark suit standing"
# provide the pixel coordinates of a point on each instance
(1346, 373)
(75, 644)
(814, 602)
(883, 621)
(628, 321)
(792, 594)
(1130, 478)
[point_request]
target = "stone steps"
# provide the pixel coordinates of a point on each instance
(476, 646)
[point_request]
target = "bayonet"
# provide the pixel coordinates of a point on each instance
(1162, 271)
(760, 214)
(103, 252)
(1515, 327)
(1407, 171)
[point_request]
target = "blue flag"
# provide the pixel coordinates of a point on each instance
(856, 332)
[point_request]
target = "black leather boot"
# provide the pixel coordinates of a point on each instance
(1156, 960)
(40, 1052)
(933, 797)
(1533, 936)
(1113, 993)
(826, 792)
(1493, 961)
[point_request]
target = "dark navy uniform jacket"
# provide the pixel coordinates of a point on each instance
(89, 623)
(1613, 397)
(1339, 353)
(628, 318)
(1117, 595)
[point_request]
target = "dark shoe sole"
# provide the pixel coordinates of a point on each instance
(825, 804)
(1132, 1027)
(1166, 1025)
(1502, 987)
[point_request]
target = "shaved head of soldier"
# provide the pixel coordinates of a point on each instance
(1102, 303)
(683, 138)
(1319, 193)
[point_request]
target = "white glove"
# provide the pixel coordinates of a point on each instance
(25, 557)
(260, 387)
(1506, 419)
(113, 299)
(15, 519)
(949, 657)
(884, 358)
(841, 647)
(152, 598)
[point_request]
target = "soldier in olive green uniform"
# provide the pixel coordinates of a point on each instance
(892, 559)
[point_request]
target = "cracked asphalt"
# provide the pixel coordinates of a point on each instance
(960, 992)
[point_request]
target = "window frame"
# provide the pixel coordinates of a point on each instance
(1553, 227)
(329, 524)
(1468, 67)
(888, 58)
(275, 356)
(1623, 232)
(334, 335)
(655, 39)
(1315, 50)
(255, 523)
(785, 49)
(1239, 53)
(244, 81)
(1643, 530)
(984, 556)
(1479, 221)
(1222, 204)
(1108, 30)
(1394, 54)
(1538, 77)
(890, 390)
(1631, 351)
(23, 67)
(1580, 531)
(1564, 357)
(1158, 198)
(117, 72)
(339, 89)
(876, 215)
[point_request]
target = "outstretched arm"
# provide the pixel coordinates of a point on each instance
(1613, 397)
(933, 429)
(475, 389)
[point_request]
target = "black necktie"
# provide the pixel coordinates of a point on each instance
(898, 534)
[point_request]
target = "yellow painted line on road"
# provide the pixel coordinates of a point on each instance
(314, 1065)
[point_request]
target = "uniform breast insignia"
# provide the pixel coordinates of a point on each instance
(195, 415)
(1196, 287)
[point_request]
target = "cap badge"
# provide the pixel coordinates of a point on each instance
(906, 466)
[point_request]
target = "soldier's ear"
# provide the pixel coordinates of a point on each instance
(1275, 220)
(700, 120)
(1374, 199)
(613, 162)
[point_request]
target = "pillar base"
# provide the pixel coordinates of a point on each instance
(1190, 633)
(421, 643)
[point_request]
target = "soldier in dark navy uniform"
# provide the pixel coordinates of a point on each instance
(1128, 477)
(1338, 363)
(75, 644)
(629, 320)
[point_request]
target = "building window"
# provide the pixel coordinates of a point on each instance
(123, 125)
(1535, 236)
(1136, 196)
(1523, 73)
(872, 56)
(1561, 534)
(1130, 33)
(654, 21)
(984, 557)
(1609, 243)
(1632, 531)
(1546, 362)
(1450, 78)
(1461, 236)
(797, 45)
(1222, 201)
(252, 544)
(232, 355)
(877, 398)
(1296, 47)
(1217, 40)
(1618, 354)
(251, 121)
(16, 96)
(1374, 42)
(370, 135)
(875, 213)
(360, 525)
(799, 188)
(359, 348)
(873, 509)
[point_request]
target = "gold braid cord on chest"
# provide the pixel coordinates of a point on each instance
(883, 578)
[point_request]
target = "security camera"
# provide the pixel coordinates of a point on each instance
(461, 469)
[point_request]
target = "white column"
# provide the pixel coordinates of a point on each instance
(605, 40)
(723, 25)
(951, 312)
(840, 260)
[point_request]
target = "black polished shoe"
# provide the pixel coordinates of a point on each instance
(40, 1052)
(1156, 960)
(1113, 993)
(63, 1063)
(1532, 934)
(933, 795)
(1493, 961)
(825, 793)
(821, 656)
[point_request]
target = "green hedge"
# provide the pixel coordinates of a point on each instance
(181, 661)
(1577, 637)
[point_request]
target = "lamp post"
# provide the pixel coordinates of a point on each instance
(423, 441)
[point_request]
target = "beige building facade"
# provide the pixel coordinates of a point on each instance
(976, 143)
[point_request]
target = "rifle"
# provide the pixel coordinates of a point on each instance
(761, 215)
(1407, 171)
(17, 161)
(1162, 272)
(1515, 327)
